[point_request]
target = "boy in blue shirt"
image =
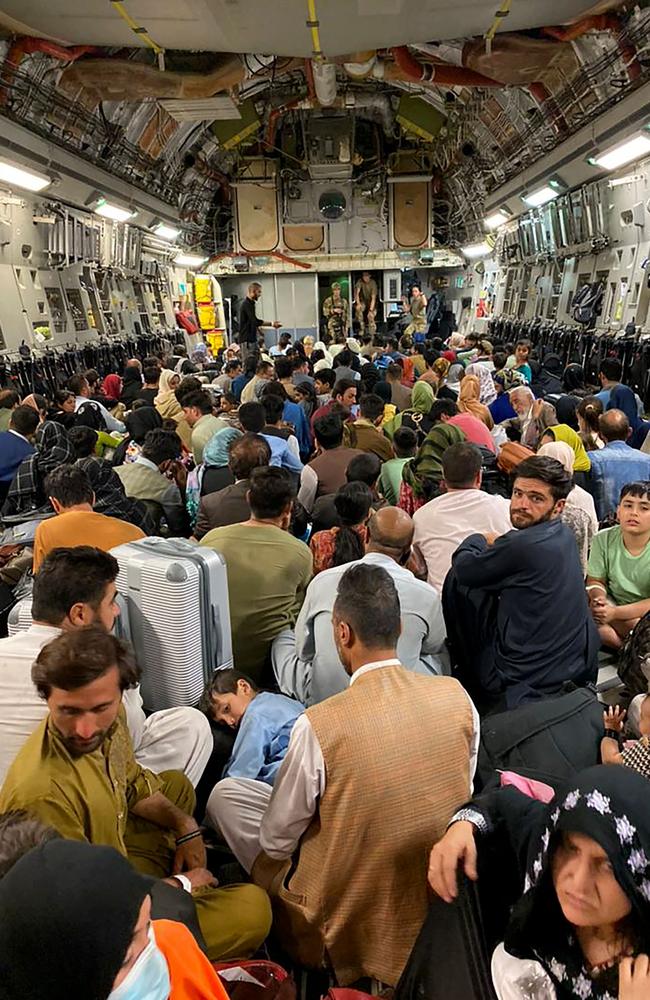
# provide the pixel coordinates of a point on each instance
(263, 721)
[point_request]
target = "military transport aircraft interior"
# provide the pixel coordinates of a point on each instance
(324, 500)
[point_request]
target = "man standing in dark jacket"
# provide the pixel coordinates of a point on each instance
(515, 607)
(249, 324)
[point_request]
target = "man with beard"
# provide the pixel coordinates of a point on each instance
(515, 607)
(77, 773)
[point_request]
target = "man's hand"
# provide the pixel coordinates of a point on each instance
(614, 718)
(456, 846)
(276, 325)
(199, 877)
(189, 856)
(490, 537)
(634, 978)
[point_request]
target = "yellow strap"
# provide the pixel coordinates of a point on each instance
(314, 26)
(135, 27)
(502, 13)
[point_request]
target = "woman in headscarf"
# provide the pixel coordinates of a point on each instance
(579, 510)
(112, 389)
(584, 917)
(488, 393)
(562, 432)
(567, 400)
(216, 472)
(76, 922)
(622, 398)
(422, 476)
(417, 415)
(38, 403)
(168, 406)
(450, 389)
(468, 401)
(27, 490)
(138, 423)
(131, 385)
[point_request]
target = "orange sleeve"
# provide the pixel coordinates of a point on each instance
(39, 548)
(192, 976)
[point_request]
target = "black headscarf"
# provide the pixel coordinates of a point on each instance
(131, 384)
(610, 805)
(142, 420)
(573, 379)
(549, 379)
(67, 915)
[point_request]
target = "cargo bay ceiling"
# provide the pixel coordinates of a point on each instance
(179, 97)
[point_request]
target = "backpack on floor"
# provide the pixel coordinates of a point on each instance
(634, 662)
(549, 740)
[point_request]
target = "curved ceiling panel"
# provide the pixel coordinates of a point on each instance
(245, 26)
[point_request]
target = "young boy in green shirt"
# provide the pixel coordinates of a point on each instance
(618, 572)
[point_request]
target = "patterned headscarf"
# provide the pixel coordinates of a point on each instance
(610, 805)
(488, 393)
(509, 378)
(427, 464)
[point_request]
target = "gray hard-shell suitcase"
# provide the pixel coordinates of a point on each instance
(178, 617)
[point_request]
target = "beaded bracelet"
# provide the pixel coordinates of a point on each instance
(188, 836)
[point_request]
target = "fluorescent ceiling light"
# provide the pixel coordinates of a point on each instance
(495, 220)
(477, 250)
(540, 197)
(189, 260)
(625, 152)
(166, 232)
(22, 177)
(115, 212)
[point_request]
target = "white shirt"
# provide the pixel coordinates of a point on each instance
(443, 523)
(301, 781)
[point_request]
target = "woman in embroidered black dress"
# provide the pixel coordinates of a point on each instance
(581, 930)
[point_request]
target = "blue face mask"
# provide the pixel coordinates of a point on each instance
(149, 977)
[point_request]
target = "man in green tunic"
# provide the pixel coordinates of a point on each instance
(77, 773)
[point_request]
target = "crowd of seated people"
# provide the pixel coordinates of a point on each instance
(420, 539)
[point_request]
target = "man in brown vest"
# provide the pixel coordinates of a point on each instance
(371, 777)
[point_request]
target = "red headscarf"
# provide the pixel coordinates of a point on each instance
(112, 387)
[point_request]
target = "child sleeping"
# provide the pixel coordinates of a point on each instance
(263, 722)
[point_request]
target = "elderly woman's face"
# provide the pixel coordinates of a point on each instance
(584, 882)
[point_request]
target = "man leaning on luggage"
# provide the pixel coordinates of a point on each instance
(77, 773)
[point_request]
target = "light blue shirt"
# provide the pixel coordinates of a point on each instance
(263, 737)
(612, 467)
(111, 423)
(312, 669)
(281, 454)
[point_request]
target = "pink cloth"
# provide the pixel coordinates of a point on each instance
(474, 430)
(527, 786)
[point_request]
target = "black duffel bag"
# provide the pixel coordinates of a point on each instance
(549, 740)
